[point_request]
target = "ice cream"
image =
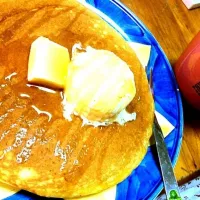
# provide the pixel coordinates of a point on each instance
(99, 87)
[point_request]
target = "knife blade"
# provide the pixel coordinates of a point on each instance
(170, 183)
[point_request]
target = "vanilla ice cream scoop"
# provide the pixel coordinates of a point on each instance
(99, 87)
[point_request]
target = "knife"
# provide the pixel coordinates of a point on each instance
(170, 183)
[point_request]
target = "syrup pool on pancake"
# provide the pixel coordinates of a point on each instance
(97, 85)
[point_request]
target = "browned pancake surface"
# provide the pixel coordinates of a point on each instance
(51, 156)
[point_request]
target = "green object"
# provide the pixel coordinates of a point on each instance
(174, 195)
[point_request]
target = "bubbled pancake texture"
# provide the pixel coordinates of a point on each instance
(44, 153)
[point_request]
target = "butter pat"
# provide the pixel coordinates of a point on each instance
(7, 190)
(190, 4)
(142, 51)
(48, 62)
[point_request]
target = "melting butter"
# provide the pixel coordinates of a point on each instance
(42, 112)
(10, 76)
(42, 88)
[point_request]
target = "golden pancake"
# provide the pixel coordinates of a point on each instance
(40, 151)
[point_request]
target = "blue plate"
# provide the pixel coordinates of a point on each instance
(145, 182)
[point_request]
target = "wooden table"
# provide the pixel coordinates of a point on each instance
(174, 27)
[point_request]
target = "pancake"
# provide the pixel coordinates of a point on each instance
(40, 151)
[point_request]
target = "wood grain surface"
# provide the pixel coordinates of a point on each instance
(174, 26)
